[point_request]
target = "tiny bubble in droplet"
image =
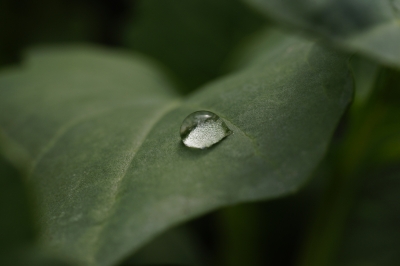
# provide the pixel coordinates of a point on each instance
(202, 129)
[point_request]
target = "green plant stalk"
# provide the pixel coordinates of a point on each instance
(326, 230)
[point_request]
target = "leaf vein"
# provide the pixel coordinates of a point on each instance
(65, 128)
(113, 197)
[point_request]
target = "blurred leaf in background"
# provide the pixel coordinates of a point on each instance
(369, 27)
(25, 23)
(193, 38)
(372, 235)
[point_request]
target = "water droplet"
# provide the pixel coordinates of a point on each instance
(203, 129)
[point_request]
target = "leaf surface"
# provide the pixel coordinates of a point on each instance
(99, 134)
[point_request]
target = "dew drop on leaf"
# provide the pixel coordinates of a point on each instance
(202, 129)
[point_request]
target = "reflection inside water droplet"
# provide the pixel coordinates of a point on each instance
(203, 129)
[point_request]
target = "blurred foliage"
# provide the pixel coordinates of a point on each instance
(372, 234)
(193, 42)
(24, 23)
(367, 27)
(195, 37)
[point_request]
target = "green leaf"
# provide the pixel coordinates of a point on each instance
(369, 27)
(193, 38)
(99, 132)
